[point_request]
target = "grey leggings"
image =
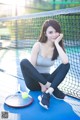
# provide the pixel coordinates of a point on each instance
(32, 77)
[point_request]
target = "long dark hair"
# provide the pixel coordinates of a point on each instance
(43, 39)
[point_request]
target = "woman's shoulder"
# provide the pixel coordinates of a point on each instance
(36, 45)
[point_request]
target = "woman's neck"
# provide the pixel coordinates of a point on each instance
(49, 44)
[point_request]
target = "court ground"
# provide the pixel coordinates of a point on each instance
(59, 109)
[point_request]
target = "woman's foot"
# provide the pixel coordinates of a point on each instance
(44, 100)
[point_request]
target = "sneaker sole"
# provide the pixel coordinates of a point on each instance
(44, 106)
(39, 98)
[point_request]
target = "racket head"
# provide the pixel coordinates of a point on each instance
(17, 101)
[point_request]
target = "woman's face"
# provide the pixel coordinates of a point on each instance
(51, 33)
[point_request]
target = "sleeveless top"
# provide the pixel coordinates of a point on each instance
(43, 64)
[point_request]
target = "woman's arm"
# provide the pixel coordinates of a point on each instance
(61, 52)
(34, 53)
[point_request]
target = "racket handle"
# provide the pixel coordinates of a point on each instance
(19, 91)
(19, 88)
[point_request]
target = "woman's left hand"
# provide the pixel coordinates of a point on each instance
(59, 38)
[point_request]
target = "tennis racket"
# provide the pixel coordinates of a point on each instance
(17, 101)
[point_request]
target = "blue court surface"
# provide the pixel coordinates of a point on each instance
(67, 109)
(59, 110)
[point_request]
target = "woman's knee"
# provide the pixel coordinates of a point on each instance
(24, 61)
(67, 66)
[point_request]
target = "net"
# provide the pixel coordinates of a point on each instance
(23, 32)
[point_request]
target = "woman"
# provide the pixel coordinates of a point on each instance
(36, 72)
